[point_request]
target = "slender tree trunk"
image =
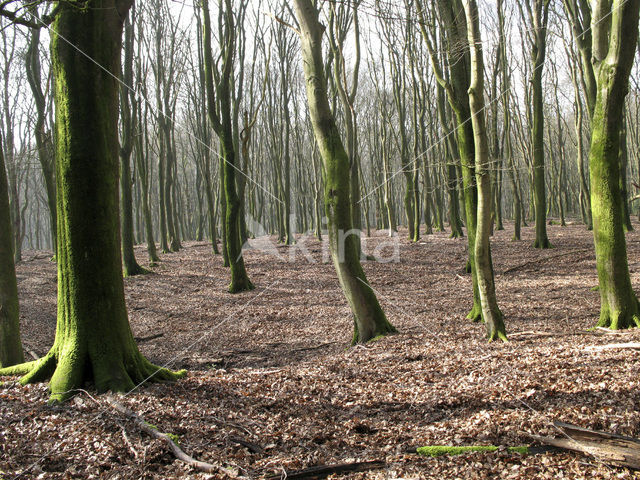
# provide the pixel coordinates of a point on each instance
(369, 318)
(222, 124)
(10, 345)
(44, 144)
(490, 311)
(130, 265)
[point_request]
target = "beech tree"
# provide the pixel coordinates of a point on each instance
(218, 91)
(93, 338)
(127, 114)
(614, 28)
(369, 318)
(537, 13)
(456, 87)
(10, 346)
(486, 285)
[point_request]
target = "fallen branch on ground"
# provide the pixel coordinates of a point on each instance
(173, 446)
(608, 331)
(252, 447)
(613, 346)
(609, 448)
(150, 337)
(322, 471)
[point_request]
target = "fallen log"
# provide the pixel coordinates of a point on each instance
(166, 438)
(609, 448)
(323, 471)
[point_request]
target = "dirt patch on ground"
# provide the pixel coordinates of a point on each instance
(271, 369)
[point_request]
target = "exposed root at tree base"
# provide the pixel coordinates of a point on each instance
(238, 287)
(67, 374)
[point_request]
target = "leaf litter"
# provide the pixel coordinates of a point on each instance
(273, 386)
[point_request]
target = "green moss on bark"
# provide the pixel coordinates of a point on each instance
(369, 318)
(618, 303)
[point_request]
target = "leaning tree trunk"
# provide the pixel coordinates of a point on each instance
(614, 42)
(93, 338)
(10, 346)
(369, 318)
(484, 271)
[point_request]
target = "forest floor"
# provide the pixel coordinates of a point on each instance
(274, 386)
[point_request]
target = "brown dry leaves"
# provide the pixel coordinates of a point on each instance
(271, 368)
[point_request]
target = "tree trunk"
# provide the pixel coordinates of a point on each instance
(614, 42)
(369, 318)
(44, 144)
(130, 265)
(486, 286)
(93, 337)
(222, 124)
(10, 346)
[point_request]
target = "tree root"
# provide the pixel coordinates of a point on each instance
(475, 315)
(241, 286)
(69, 373)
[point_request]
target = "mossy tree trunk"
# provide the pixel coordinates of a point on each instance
(369, 318)
(454, 25)
(341, 17)
(93, 338)
(615, 30)
(10, 346)
(486, 285)
(142, 163)
(508, 146)
(452, 177)
(219, 93)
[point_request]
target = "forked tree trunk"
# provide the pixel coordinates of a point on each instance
(486, 285)
(93, 338)
(10, 346)
(614, 41)
(452, 16)
(220, 93)
(369, 318)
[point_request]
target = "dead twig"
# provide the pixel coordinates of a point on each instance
(150, 337)
(173, 446)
